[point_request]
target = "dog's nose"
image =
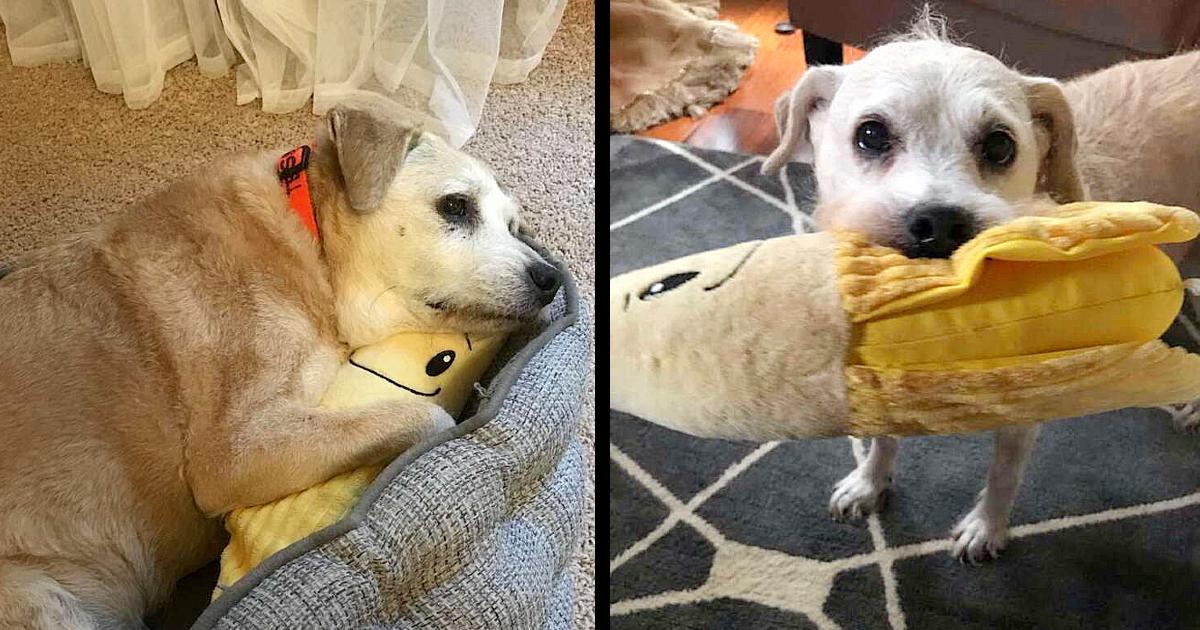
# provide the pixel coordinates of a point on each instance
(546, 279)
(935, 231)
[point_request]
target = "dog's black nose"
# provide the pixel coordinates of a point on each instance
(935, 231)
(546, 279)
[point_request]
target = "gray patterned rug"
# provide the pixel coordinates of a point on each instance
(714, 534)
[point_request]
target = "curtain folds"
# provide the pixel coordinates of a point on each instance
(435, 58)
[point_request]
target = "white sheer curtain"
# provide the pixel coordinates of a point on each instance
(436, 58)
(127, 45)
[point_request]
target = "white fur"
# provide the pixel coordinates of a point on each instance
(391, 281)
(938, 98)
(860, 492)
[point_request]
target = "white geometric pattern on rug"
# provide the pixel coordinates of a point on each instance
(801, 221)
(795, 583)
(770, 577)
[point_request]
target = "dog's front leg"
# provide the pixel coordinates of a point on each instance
(278, 451)
(860, 493)
(1186, 417)
(983, 532)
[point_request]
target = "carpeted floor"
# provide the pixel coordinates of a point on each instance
(709, 534)
(72, 155)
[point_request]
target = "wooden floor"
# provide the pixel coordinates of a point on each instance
(744, 122)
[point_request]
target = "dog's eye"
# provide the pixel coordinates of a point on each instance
(458, 208)
(440, 363)
(873, 138)
(998, 148)
(666, 284)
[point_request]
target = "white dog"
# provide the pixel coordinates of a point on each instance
(923, 143)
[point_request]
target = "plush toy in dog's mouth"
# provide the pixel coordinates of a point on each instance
(826, 334)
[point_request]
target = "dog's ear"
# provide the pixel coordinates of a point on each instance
(792, 112)
(1054, 126)
(369, 146)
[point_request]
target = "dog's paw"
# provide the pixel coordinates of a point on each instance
(1186, 417)
(857, 495)
(439, 420)
(979, 536)
(410, 422)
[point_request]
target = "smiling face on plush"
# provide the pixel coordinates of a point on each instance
(438, 368)
(695, 277)
(709, 324)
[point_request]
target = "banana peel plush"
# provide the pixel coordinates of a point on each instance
(438, 368)
(824, 334)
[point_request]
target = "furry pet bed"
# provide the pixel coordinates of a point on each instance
(671, 58)
(474, 529)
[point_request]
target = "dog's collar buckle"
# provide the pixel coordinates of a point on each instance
(292, 169)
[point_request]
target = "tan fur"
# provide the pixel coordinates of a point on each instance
(898, 402)
(162, 368)
(1054, 127)
(1137, 130)
(1138, 125)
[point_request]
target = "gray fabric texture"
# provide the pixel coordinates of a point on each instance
(473, 529)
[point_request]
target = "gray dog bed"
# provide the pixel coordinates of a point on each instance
(474, 529)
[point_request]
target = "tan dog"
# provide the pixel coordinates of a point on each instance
(163, 368)
(1138, 130)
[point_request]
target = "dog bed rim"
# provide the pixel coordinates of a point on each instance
(501, 384)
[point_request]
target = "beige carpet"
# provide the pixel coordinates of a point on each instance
(71, 155)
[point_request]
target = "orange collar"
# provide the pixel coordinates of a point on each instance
(293, 174)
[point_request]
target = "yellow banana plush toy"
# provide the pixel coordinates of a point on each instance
(825, 334)
(439, 368)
